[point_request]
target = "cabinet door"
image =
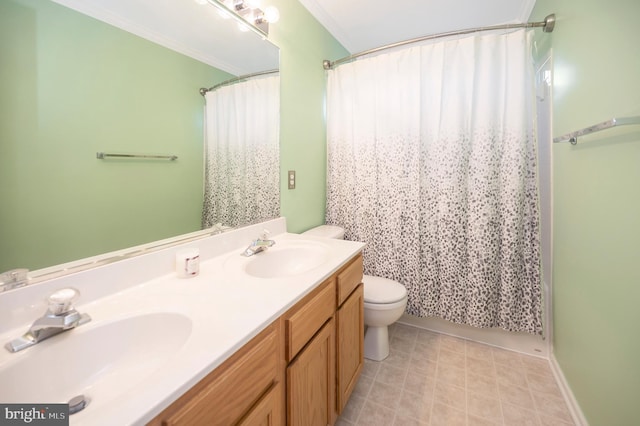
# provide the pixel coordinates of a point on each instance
(311, 381)
(267, 412)
(349, 345)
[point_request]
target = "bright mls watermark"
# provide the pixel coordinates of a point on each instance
(34, 414)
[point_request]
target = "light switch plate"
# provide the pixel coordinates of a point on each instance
(291, 179)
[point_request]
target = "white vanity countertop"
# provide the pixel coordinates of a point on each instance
(227, 308)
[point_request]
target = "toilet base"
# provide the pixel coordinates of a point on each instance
(376, 343)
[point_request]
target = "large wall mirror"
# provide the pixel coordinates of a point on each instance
(79, 77)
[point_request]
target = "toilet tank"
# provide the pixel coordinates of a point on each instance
(326, 231)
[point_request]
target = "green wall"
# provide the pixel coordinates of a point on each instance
(304, 44)
(72, 86)
(596, 278)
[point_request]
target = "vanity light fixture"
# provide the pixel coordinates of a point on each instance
(248, 13)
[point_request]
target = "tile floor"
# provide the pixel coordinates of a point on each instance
(434, 379)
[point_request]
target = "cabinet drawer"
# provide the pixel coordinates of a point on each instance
(304, 322)
(232, 389)
(349, 278)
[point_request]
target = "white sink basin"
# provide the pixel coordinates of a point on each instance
(284, 259)
(99, 361)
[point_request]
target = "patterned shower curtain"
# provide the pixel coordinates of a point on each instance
(242, 157)
(432, 162)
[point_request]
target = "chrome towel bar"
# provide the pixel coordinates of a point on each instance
(104, 155)
(573, 136)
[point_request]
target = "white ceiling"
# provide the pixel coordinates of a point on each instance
(361, 25)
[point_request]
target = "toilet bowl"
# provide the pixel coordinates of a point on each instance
(384, 303)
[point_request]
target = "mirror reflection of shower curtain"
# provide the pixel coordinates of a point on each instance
(242, 153)
(432, 163)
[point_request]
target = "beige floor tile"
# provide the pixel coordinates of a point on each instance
(453, 344)
(343, 422)
(484, 366)
(478, 350)
(451, 374)
(363, 386)
(439, 380)
(456, 359)
(398, 359)
(552, 421)
(515, 395)
(448, 394)
(484, 385)
(423, 366)
(444, 415)
(391, 375)
(511, 376)
(353, 408)
(506, 358)
(551, 406)
(424, 350)
(536, 365)
(479, 421)
(420, 384)
(479, 405)
(370, 368)
(428, 338)
(417, 407)
(405, 332)
(544, 384)
(402, 344)
(402, 420)
(515, 415)
(385, 395)
(375, 415)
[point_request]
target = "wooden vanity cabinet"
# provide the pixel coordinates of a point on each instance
(300, 370)
(246, 389)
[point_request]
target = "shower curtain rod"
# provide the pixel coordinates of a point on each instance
(547, 26)
(203, 90)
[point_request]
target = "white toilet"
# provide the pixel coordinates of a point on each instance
(384, 303)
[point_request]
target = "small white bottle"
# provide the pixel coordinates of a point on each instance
(188, 263)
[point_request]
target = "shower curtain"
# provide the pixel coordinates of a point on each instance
(242, 153)
(432, 163)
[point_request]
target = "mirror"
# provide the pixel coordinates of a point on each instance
(81, 77)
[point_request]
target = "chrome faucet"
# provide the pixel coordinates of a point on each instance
(60, 316)
(259, 245)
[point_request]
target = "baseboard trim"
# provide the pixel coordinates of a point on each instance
(574, 408)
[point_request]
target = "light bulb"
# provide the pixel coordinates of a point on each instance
(271, 14)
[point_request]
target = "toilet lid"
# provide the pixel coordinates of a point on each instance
(382, 290)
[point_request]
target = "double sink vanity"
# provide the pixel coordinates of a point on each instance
(273, 338)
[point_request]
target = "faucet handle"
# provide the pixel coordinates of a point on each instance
(61, 301)
(265, 234)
